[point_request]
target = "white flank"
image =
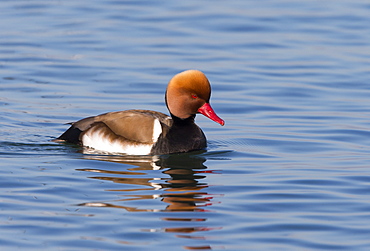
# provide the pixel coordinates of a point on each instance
(157, 130)
(96, 141)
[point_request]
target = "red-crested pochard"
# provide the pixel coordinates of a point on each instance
(143, 132)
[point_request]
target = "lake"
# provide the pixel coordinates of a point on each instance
(290, 170)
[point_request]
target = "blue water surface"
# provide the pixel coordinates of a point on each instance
(290, 170)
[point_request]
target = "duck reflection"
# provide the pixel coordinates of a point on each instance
(180, 181)
(175, 180)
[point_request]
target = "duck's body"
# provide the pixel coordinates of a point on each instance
(143, 132)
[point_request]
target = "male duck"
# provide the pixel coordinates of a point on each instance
(143, 132)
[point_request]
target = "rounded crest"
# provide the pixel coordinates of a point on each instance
(187, 92)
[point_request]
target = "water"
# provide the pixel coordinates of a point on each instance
(289, 171)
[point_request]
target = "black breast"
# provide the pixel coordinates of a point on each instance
(182, 136)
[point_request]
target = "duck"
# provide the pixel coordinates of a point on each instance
(146, 132)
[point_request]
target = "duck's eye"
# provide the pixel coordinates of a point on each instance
(194, 96)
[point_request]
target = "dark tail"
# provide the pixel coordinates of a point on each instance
(72, 135)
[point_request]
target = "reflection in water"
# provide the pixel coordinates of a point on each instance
(179, 182)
